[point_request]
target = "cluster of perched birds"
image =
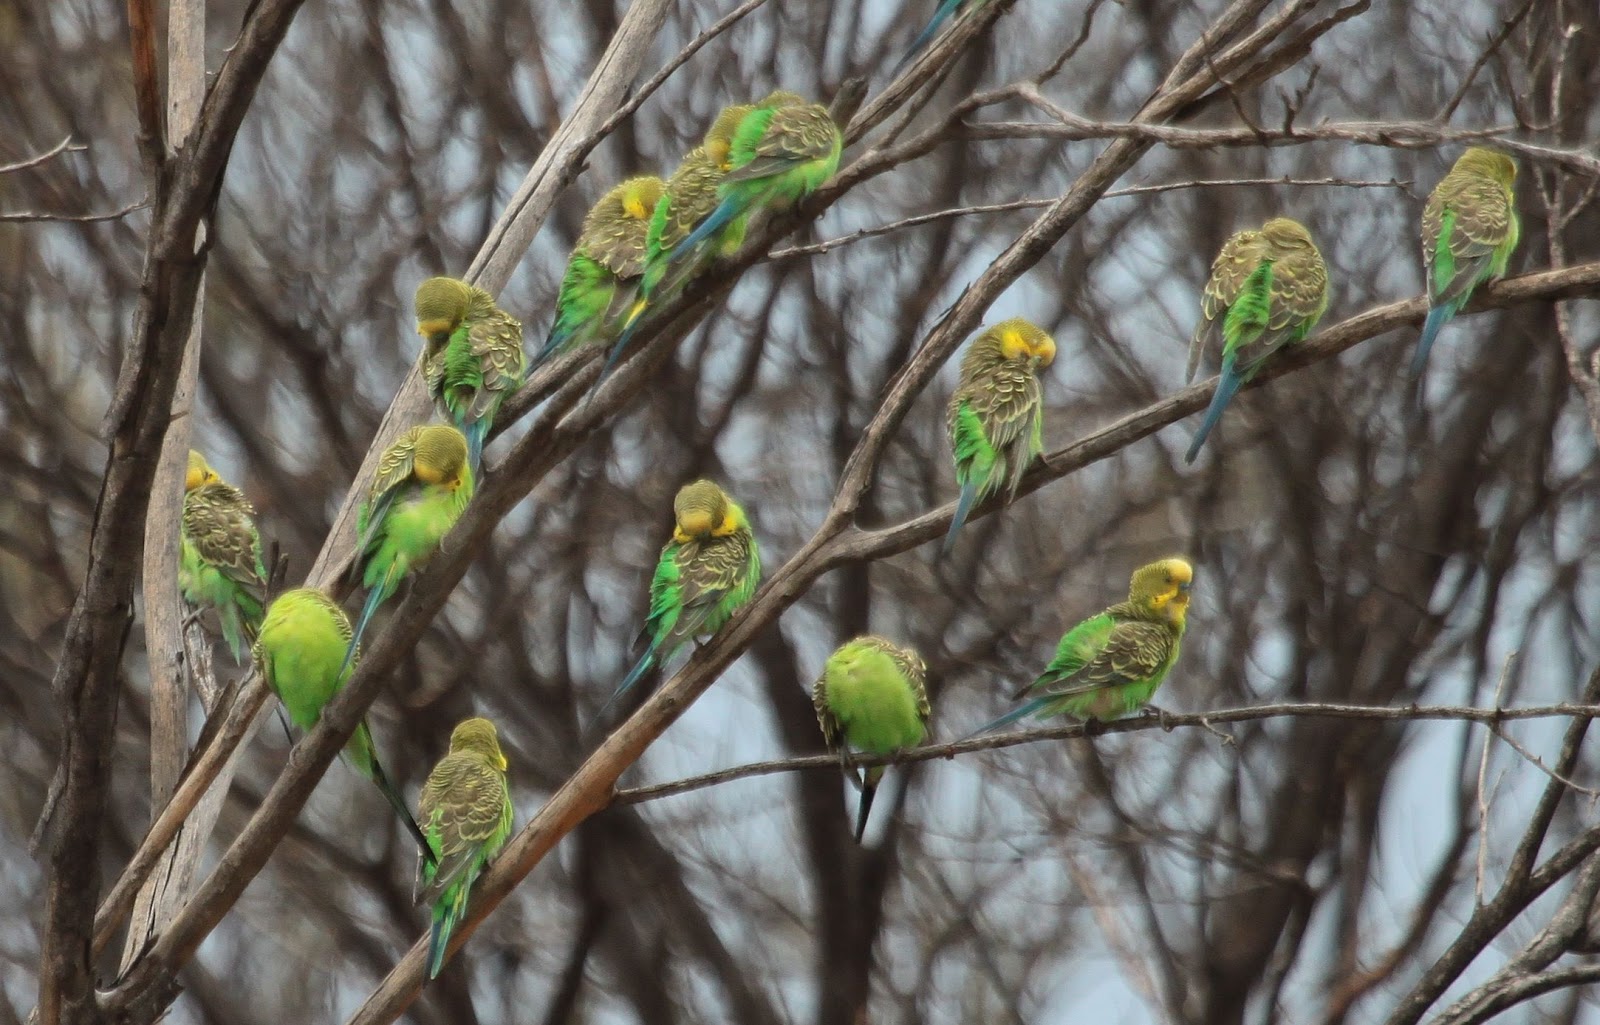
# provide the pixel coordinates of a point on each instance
(642, 242)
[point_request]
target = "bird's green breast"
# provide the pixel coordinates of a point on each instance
(875, 704)
(412, 531)
(306, 649)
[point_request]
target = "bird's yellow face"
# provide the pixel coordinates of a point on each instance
(718, 142)
(479, 737)
(440, 304)
(1022, 340)
(702, 510)
(1493, 163)
(1164, 587)
(199, 472)
(440, 456)
(639, 198)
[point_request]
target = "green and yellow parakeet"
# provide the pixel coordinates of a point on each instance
(301, 655)
(610, 252)
(1469, 230)
(1110, 664)
(219, 565)
(872, 696)
(689, 198)
(472, 358)
(466, 810)
(782, 151)
(1268, 289)
(706, 572)
(996, 414)
(422, 483)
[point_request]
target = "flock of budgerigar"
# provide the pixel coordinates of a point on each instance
(641, 244)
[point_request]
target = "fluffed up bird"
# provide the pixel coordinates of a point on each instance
(466, 811)
(1111, 664)
(602, 274)
(1469, 230)
(706, 572)
(872, 696)
(690, 196)
(996, 414)
(422, 483)
(1268, 289)
(301, 655)
(472, 358)
(219, 565)
(782, 152)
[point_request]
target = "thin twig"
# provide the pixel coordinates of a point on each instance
(33, 216)
(64, 146)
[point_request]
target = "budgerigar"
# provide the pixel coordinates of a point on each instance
(1268, 289)
(1469, 230)
(301, 655)
(996, 414)
(1110, 664)
(782, 151)
(706, 572)
(472, 358)
(872, 696)
(941, 14)
(219, 565)
(422, 483)
(690, 197)
(466, 811)
(608, 257)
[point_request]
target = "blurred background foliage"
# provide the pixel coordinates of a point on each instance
(1306, 872)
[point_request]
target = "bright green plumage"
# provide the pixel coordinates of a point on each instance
(1111, 664)
(707, 571)
(1267, 289)
(466, 811)
(301, 655)
(872, 696)
(782, 151)
(219, 566)
(996, 414)
(599, 286)
(1470, 228)
(472, 358)
(421, 485)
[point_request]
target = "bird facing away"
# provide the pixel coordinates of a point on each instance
(219, 565)
(472, 357)
(1268, 289)
(609, 255)
(1110, 664)
(422, 483)
(301, 655)
(1469, 230)
(689, 198)
(872, 696)
(706, 572)
(996, 414)
(782, 152)
(466, 811)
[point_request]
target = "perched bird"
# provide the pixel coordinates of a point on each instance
(706, 572)
(1469, 230)
(1268, 289)
(301, 655)
(472, 357)
(1110, 664)
(782, 151)
(689, 197)
(609, 256)
(996, 414)
(872, 696)
(220, 562)
(466, 809)
(422, 483)
(941, 14)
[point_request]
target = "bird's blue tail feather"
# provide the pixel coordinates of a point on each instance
(375, 597)
(1022, 711)
(940, 16)
(477, 433)
(864, 809)
(969, 498)
(557, 338)
(1437, 317)
(639, 669)
(715, 221)
(439, 939)
(1227, 386)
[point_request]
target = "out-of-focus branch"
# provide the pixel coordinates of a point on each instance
(1165, 721)
(36, 216)
(64, 146)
